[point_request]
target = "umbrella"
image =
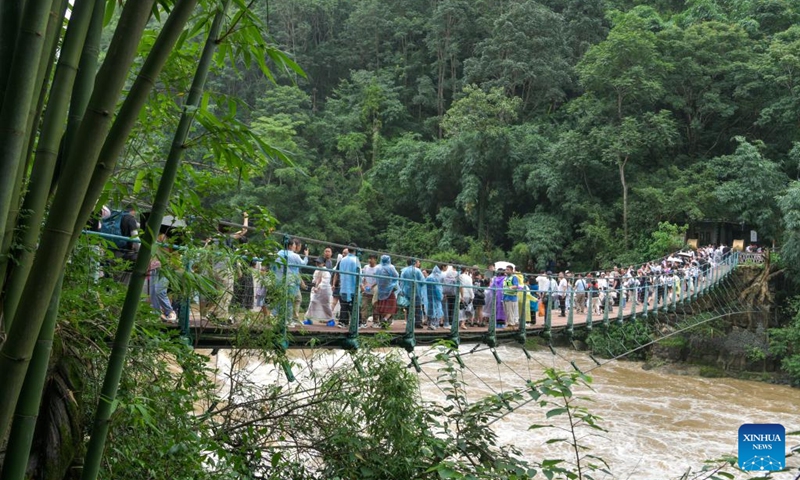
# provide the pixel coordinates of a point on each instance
(674, 260)
(503, 265)
(685, 254)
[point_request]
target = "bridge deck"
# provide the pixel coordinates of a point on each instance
(207, 334)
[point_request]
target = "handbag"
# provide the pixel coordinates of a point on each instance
(402, 300)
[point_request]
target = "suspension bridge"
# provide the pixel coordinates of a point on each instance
(712, 293)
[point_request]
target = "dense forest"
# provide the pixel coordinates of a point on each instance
(551, 130)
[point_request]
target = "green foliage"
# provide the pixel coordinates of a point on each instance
(153, 428)
(667, 239)
(620, 340)
(544, 236)
(789, 204)
(555, 392)
(479, 111)
(504, 58)
(423, 117)
(747, 185)
(784, 342)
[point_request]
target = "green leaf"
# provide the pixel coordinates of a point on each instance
(446, 472)
(555, 440)
(111, 5)
(137, 184)
(535, 426)
(556, 411)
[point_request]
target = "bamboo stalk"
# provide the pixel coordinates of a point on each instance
(47, 150)
(57, 13)
(54, 246)
(84, 83)
(10, 20)
(17, 101)
(15, 463)
(127, 320)
(124, 123)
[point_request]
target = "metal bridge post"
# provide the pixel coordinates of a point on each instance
(714, 276)
(186, 304)
(605, 307)
(288, 303)
(491, 332)
(682, 296)
(646, 299)
(351, 342)
(522, 335)
(570, 315)
(590, 302)
(548, 314)
(674, 292)
(622, 305)
(455, 320)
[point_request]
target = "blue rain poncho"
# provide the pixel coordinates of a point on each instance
(386, 285)
(409, 276)
(433, 294)
(349, 268)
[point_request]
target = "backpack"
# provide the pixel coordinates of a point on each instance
(112, 225)
(449, 285)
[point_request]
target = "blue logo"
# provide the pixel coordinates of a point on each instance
(762, 446)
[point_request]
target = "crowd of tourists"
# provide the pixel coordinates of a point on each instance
(434, 296)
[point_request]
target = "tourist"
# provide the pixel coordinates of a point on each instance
(432, 298)
(319, 309)
(411, 286)
(386, 302)
(349, 269)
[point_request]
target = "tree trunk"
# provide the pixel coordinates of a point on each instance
(94, 453)
(54, 245)
(624, 199)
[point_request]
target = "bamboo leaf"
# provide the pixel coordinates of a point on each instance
(556, 411)
(111, 5)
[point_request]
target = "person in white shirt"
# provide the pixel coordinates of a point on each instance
(580, 294)
(562, 294)
(368, 283)
(467, 294)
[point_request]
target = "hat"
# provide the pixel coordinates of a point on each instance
(567, 272)
(320, 260)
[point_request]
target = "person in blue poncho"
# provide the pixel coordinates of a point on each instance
(433, 298)
(289, 261)
(349, 269)
(411, 288)
(386, 301)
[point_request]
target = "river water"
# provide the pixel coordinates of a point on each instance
(658, 424)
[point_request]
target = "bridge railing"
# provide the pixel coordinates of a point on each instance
(587, 308)
(654, 293)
